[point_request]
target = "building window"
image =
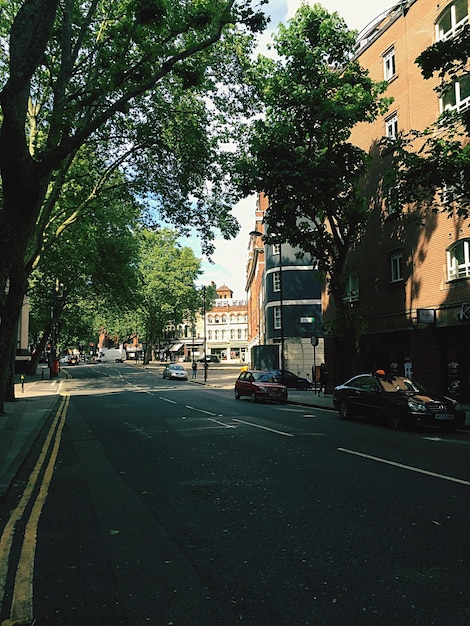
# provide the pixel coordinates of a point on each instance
(457, 96)
(239, 333)
(458, 260)
(277, 281)
(396, 266)
(351, 288)
(452, 20)
(232, 333)
(209, 335)
(389, 64)
(277, 248)
(391, 126)
(277, 318)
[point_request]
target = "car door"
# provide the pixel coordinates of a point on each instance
(371, 397)
(363, 395)
(244, 386)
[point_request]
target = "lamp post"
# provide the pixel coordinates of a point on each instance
(206, 365)
(281, 310)
(256, 233)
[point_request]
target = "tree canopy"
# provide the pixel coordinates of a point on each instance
(298, 152)
(151, 87)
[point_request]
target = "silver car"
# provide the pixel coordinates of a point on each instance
(173, 370)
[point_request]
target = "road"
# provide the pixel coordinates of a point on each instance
(161, 502)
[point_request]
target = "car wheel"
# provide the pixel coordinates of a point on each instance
(253, 396)
(395, 419)
(237, 395)
(344, 410)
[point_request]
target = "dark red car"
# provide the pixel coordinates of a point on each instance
(260, 385)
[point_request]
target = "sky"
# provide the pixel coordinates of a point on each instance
(230, 257)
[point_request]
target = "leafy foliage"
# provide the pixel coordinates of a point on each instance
(298, 152)
(145, 86)
(167, 276)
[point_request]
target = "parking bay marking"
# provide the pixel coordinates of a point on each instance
(272, 430)
(406, 467)
(192, 408)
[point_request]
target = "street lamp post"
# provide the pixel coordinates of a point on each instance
(206, 365)
(281, 307)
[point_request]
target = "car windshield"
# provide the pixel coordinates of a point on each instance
(397, 383)
(176, 367)
(264, 377)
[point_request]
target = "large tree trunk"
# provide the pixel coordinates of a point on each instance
(40, 348)
(8, 331)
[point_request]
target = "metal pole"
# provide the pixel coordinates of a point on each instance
(281, 303)
(205, 353)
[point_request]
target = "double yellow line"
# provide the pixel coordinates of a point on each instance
(21, 610)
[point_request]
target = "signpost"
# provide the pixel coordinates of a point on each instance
(314, 342)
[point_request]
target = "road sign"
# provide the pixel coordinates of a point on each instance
(307, 320)
(314, 340)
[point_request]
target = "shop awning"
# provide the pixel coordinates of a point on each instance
(175, 347)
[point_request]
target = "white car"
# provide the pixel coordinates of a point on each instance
(173, 370)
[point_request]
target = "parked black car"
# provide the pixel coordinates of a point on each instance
(290, 380)
(398, 400)
(210, 358)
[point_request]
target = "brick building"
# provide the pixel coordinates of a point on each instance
(284, 300)
(410, 276)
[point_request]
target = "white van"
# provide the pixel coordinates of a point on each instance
(116, 355)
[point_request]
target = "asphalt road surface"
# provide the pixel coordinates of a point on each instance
(168, 503)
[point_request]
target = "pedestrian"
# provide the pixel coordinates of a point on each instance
(323, 379)
(194, 368)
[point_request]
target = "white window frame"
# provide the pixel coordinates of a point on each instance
(351, 288)
(389, 64)
(396, 266)
(455, 26)
(391, 126)
(455, 268)
(277, 280)
(276, 248)
(277, 318)
(460, 90)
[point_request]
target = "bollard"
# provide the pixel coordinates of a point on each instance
(22, 383)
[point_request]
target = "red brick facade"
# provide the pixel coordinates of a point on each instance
(402, 262)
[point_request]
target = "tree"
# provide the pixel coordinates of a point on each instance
(93, 263)
(439, 156)
(167, 276)
(140, 81)
(298, 152)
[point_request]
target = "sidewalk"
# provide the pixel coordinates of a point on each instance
(23, 420)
